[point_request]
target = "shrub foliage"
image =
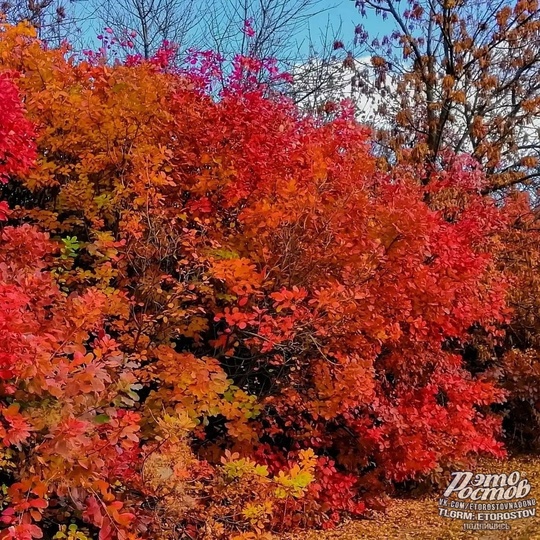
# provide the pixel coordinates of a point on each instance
(219, 319)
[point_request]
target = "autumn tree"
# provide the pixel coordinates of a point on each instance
(459, 76)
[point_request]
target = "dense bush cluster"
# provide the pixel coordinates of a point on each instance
(219, 319)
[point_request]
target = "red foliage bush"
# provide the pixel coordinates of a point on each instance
(17, 148)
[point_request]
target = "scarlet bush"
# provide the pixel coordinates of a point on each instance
(219, 318)
(514, 363)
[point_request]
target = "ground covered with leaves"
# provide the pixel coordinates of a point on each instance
(418, 518)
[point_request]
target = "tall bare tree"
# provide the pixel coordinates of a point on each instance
(279, 27)
(147, 23)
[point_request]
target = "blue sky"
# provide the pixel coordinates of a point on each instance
(341, 16)
(344, 13)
